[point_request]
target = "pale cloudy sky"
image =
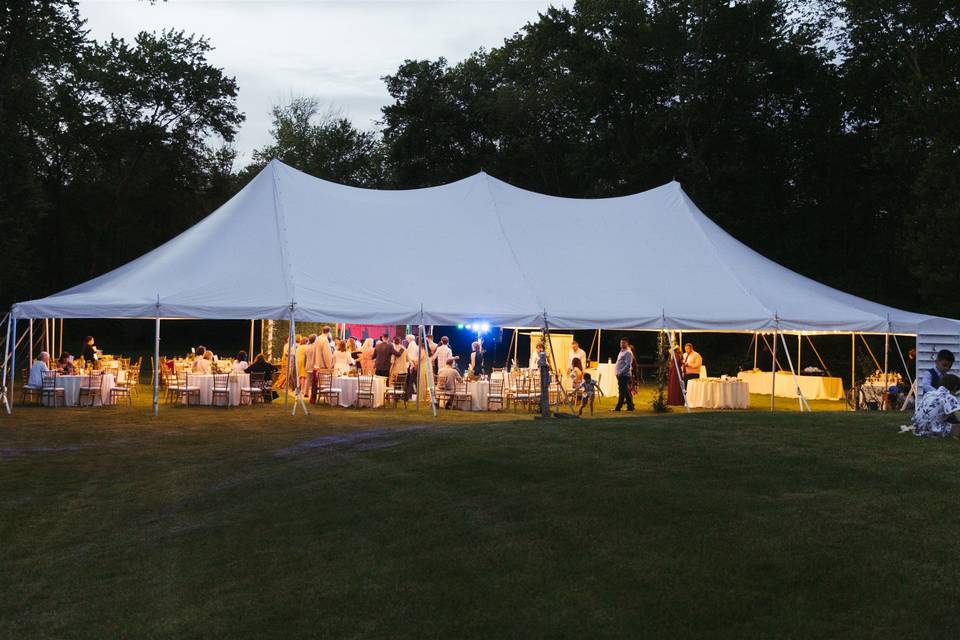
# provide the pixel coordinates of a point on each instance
(336, 51)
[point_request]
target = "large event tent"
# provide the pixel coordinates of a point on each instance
(477, 248)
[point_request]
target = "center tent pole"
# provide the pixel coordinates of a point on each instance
(156, 361)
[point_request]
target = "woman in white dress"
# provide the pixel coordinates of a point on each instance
(342, 360)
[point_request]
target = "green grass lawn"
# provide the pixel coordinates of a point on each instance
(247, 523)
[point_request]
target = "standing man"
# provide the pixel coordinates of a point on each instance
(383, 356)
(623, 368)
(328, 339)
(322, 356)
(444, 353)
(692, 361)
(931, 378)
(577, 352)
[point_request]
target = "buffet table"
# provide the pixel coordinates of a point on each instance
(714, 393)
(813, 387)
(606, 372)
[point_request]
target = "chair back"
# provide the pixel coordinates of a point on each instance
(49, 380)
(325, 378)
(221, 381)
(496, 386)
(94, 379)
(365, 385)
(257, 380)
(400, 382)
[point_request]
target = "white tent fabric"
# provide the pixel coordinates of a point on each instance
(337, 253)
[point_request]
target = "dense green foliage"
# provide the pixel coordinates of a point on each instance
(823, 133)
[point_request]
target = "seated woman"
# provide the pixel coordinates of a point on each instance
(937, 411)
(342, 360)
(203, 365)
(65, 363)
(240, 364)
(260, 365)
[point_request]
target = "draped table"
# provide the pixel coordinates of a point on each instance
(480, 391)
(205, 382)
(71, 389)
(813, 387)
(714, 393)
(606, 372)
(350, 387)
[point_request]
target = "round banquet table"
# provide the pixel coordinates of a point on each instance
(350, 387)
(71, 389)
(713, 393)
(205, 382)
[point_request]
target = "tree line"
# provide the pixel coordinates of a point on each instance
(823, 133)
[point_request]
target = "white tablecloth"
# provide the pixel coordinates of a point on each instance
(713, 393)
(606, 372)
(813, 387)
(480, 390)
(71, 389)
(350, 387)
(205, 383)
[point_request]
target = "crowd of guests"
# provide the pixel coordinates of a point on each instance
(938, 406)
(386, 357)
(66, 364)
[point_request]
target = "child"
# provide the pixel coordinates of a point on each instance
(588, 389)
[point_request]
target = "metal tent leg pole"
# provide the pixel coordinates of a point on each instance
(6, 355)
(297, 396)
(30, 353)
(773, 367)
(156, 363)
(426, 362)
(756, 348)
(796, 381)
(799, 348)
(886, 367)
(676, 365)
(853, 370)
(60, 335)
(13, 362)
(250, 352)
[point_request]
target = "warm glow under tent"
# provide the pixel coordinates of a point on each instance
(477, 248)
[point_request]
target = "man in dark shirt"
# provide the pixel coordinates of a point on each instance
(383, 355)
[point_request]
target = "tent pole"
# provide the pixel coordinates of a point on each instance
(30, 353)
(46, 335)
(886, 364)
(6, 351)
(429, 365)
(599, 335)
(297, 397)
(156, 361)
(905, 368)
(291, 362)
(60, 350)
(853, 370)
(773, 367)
(250, 353)
(756, 347)
(796, 381)
(676, 365)
(516, 347)
(53, 340)
(556, 367)
(799, 347)
(13, 362)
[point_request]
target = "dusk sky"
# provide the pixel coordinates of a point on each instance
(335, 51)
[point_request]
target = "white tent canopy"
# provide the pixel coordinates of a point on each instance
(475, 249)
